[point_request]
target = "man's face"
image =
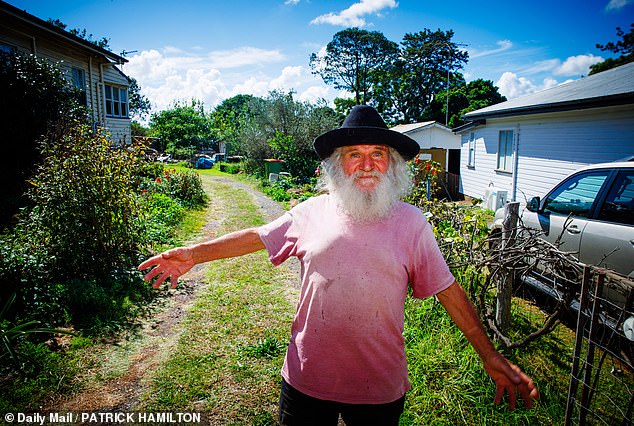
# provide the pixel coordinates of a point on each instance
(365, 162)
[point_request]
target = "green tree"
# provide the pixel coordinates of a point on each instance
(140, 105)
(81, 33)
(351, 57)
(430, 62)
(230, 115)
(463, 98)
(184, 128)
(285, 128)
(625, 47)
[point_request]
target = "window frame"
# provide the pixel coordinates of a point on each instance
(505, 162)
(117, 103)
(571, 184)
(471, 150)
(78, 80)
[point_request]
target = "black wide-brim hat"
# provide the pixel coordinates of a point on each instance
(364, 126)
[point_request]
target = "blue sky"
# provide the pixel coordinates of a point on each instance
(212, 50)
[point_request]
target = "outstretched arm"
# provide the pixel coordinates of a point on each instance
(175, 262)
(507, 377)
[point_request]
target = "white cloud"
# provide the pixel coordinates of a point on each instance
(291, 2)
(174, 75)
(244, 56)
(353, 16)
(512, 86)
(504, 45)
(617, 4)
(577, 65)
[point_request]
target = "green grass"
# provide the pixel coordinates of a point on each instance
(450, 387)
(228, 358)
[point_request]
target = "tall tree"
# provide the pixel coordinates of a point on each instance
(625, 47)
(350, 58)
(140, 105)
(430, 61)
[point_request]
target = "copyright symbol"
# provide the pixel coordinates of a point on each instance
(9, 417)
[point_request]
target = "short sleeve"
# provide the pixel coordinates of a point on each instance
(430, 274)
(278, 238)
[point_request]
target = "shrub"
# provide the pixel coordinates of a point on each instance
(85, 226)
(163, 214)
(425, 174)
(186, 187)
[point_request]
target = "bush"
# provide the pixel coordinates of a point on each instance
(186, 187)
(85, 226)
(164, 213)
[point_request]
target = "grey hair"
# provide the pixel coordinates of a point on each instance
(398, 172)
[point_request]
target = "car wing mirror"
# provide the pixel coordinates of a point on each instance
(533, 204)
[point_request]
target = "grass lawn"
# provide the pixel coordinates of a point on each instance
(229, 356)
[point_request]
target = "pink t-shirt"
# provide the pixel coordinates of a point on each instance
(347, 336)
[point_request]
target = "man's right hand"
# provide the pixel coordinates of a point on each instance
(170, 264)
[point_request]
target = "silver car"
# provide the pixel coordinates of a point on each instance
(597, 205)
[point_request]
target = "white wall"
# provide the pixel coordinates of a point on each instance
(550, 147)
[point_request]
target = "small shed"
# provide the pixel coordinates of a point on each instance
(437, 142)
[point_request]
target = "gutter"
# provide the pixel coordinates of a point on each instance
(578, 104)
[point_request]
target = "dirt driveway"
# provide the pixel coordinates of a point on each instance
(132, 363)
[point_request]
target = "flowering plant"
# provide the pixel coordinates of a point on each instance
(425, 177)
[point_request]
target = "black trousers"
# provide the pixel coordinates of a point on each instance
(298, 409)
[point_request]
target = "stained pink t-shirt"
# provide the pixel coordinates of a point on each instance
(347, 336)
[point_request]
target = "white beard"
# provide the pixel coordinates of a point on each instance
(365, 206)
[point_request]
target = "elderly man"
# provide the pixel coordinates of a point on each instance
(360, 248)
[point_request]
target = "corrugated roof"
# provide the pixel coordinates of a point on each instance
(611, 87)
(406, 128)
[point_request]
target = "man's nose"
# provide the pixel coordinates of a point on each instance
(367, 163)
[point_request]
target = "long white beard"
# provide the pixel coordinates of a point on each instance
(365, 206)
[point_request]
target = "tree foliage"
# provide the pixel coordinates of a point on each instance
(285, 129)
(418, 80)
(139, 104)
(625, 47)
(350, 59)
(183, 129)
(429, 59)
(463, 98)
(103, 42)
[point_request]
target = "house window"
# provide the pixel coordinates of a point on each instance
(471, 158)
(78, 78)
(116, 101)
(505, 151)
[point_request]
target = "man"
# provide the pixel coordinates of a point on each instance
(360, 248)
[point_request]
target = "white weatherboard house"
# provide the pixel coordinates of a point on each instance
(521, 148)
(90, 68)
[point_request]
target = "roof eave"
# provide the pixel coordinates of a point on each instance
(605, 101)
(45, 26)
(468, 126)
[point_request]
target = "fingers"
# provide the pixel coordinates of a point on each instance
(153, 273)
(152, 261)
